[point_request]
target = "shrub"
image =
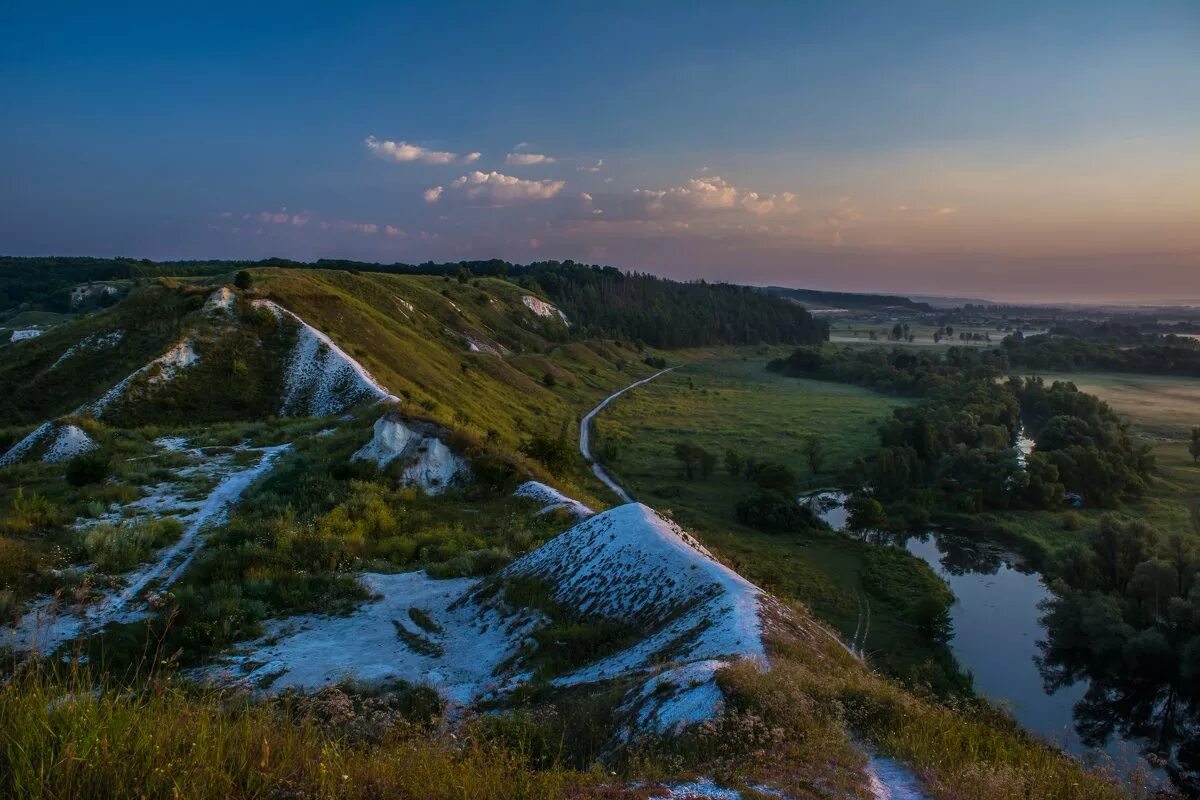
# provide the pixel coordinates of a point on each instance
(88, 468)
(775, 512)
(775, 477)
(29, 514)
(120, 548)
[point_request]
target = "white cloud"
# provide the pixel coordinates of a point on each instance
(471, 158)
(585, 197)
(501, 189)
(403, 151)
(364, 227)
(527, 159)
(392, 230)
(594, 168)
(716, 194)
(937, 211)
(433, 194)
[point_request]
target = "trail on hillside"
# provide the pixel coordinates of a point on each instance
(585, 429)
(50, 623)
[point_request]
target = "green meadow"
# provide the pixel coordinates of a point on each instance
(730, 402)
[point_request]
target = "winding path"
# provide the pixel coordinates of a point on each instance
(585, 430)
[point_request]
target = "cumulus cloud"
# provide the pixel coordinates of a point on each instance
(471, 158)
(392, 230)
(713, 193)
(593, 168)
(527, 159)
(403, 152)
(501, 189)
(433, 194)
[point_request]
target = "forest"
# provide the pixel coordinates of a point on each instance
(1106, 350)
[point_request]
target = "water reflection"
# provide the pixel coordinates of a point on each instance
(999, 638)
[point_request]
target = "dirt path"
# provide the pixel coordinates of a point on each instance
(48, 625)
(585, 429)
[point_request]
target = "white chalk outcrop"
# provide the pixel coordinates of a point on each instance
(461, 656)
(543, 309)
(71, 441)
(632, 565)
(26, 333)
(222, 301)
(627, 564)
(321, 379)
(552, 499)
(431, 465)
(62, 441)
(180, 356)
(25, 446)
(93, 341)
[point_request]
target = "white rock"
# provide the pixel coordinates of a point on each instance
(70, 441)
(552, 499)
(221, 301)
(543, 309)
(390, 440)
(321, 380)
(434, 466)
(21, 448)
(27, 333)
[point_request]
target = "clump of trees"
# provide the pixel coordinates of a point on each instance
(1126, 615)
(694, 460)
(955, 449)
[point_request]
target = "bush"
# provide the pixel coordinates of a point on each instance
(775, 512)
(29, 514)
(865, 513)
(775, 477)
(88, 468)
(120, 548)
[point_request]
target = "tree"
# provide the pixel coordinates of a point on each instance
(1153, 583)
(814, 451)
(865, 513)
(1194, 445)
(549, 380)
(694, 458)
(775, 477)
(1119, 547)
(734, 462)
(933, 619)
(243, 280)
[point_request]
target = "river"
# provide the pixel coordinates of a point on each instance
(997, 627)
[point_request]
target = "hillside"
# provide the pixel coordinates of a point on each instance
(364, 488)
(597, 302)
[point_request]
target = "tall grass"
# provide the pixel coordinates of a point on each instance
(61, 739)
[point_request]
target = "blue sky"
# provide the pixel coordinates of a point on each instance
(1003, 149)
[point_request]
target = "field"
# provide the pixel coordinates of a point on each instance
(851, 331)
(734, 403)
(1158, 407)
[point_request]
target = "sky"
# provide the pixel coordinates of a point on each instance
(1031, 151)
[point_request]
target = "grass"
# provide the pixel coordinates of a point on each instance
(68, 732)
(733, 402)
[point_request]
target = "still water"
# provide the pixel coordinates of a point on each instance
(997, 627)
